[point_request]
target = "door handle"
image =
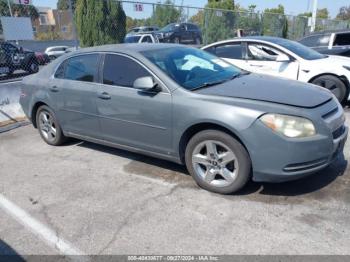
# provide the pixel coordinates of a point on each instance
(54, 89)
(104, 96)
(257, 65)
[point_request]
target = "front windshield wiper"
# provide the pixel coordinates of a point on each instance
(208, 84)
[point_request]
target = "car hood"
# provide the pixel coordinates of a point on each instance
(270, 89)
(334, 60)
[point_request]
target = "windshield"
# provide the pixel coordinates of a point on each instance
(192, 68)
(132, 39)
(300, 50)
(167, 28)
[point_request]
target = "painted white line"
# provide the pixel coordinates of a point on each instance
(39, 229)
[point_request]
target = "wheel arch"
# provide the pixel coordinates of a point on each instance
(198, 127)
(342, 78)
(35, 108)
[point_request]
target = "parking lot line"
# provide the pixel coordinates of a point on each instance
(39, 229)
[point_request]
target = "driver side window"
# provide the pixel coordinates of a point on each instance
(259, 52)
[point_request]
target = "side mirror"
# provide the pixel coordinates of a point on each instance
(282, 58)
(146, 83)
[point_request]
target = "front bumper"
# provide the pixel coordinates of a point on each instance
(276, 158)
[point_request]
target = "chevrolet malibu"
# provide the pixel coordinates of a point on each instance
(188, 106)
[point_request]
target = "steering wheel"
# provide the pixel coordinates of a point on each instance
(192, 73)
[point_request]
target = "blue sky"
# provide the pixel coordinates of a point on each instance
(293, 7)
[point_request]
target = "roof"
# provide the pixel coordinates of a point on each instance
(127, 48)
(329, 32)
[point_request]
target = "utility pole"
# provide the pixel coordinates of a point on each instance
(9, 5)
(314, 15)
(74, 29)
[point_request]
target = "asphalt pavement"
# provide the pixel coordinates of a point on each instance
(83, 198)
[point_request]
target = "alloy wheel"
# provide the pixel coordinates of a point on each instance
(215, 163)
(47, 126)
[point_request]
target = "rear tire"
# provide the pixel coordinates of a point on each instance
(48, 126)
(33, 67)
(335, 85)
(217, 162)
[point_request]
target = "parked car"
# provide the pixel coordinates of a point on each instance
(141, 38)
(184, 33)
(55, 51)
(281, 57)
(188, 106)
(142, 29)
(14, 58)
(72, 49)
(42, 58)
(332, 43)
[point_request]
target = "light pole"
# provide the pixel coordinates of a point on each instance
(314, 15)
(9, 5)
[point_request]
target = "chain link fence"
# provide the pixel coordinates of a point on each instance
(114, 21)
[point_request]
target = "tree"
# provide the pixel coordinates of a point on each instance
(165, 14)
(64, 4)
(18, 10)
(322, 13)
(219, 24)
(100, 22)
(344, 13)
(249, 20)
(198, 18)
(275, 23)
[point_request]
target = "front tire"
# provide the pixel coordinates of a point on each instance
(217, 162)
(177, 40)
(49, 129)
(335, 85)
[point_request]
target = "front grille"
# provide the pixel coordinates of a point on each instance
(338, 132)
(330, 113)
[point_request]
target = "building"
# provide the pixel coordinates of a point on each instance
(53, 24)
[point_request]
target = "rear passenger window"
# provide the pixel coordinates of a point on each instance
(147, 39)
(122, 71)
(232, 51)
(81, 68)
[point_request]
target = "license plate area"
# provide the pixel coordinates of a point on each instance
(4, 70)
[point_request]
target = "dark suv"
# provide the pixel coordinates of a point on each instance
(14, 58)
(184, 33)
(331, 43)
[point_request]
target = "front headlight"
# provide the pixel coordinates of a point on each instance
(289, 126)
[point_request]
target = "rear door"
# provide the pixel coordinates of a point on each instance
(261, 58)
(129, 116)
(74, 89)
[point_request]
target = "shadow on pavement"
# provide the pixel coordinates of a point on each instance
(7, 253)
(154, 167)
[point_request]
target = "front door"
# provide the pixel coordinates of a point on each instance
(129, 116)
(232, 52)
(262, 59)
